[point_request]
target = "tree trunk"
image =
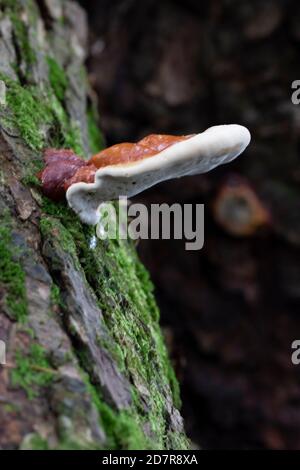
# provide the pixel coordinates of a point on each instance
(86, 365)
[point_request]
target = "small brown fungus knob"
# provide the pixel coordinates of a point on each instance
(60, 166)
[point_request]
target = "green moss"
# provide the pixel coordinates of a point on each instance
(64, 132)
(95, 135)
(34, 442)
(55, 296)
(115, 350)
(10, 408)
(28, 112)
(52, 227)
(170, 374)
(123, 429)
(31, 180)
(58, 79)
(20, 30)
(69, 444)
(32, 371)
(125, 294)
(57, 209)
(40, 117)
(120, 282)
(28, 330)
(12, 276)
(38, 111)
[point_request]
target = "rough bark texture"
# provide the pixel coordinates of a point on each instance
(232, 309)
(86, 362)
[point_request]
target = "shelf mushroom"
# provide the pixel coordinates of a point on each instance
(129, 168)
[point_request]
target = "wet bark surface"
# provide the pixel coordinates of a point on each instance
(231, 310)
(86, 365)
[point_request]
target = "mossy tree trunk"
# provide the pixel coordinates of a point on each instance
(86, 362)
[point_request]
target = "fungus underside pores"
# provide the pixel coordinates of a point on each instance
(128, 169)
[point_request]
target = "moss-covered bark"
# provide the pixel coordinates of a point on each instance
(87, 365)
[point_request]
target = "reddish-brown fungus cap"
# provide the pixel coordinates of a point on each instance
(127, 153)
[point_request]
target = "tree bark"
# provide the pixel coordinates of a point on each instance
(86, 365)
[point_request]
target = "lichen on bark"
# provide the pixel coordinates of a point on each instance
(86, 365)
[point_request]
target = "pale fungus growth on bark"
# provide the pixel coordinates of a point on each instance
(127, 169)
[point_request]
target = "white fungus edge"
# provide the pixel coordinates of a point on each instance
(198, 154)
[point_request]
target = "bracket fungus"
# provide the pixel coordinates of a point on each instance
(129, 168)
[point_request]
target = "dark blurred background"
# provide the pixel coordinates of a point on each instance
(230, 311)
